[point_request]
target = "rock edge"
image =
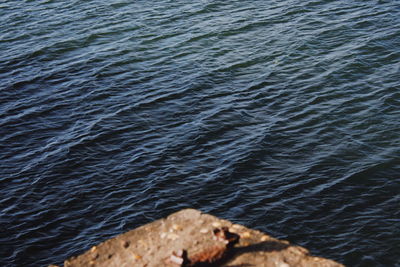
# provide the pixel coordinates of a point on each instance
(190, 230)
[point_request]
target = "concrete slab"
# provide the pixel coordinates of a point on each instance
(192, 238)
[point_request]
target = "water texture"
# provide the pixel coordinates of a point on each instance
(280, 115)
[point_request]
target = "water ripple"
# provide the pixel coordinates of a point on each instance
(280, 115)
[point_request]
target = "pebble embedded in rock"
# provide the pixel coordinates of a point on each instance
(125, 244)
(245, 235)
(204, 231)
(176, 227)
(136, 257)
(173, 236)
(264, 238)
(216, 224)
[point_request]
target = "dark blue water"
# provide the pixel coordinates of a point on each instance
(280, 115)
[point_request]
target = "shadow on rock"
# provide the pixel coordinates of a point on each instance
(266, 246)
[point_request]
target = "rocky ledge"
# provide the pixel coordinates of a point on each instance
(192, 238)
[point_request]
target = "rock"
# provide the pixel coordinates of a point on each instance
(188, 238)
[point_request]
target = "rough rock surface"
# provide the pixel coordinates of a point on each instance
(192, 231)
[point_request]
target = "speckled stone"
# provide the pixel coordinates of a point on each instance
(152, 245)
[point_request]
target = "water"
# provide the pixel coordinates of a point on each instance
(280, 115)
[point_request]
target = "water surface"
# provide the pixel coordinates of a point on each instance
(280, 115)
